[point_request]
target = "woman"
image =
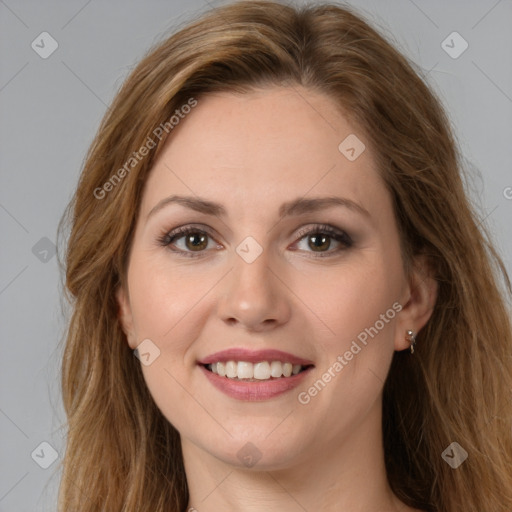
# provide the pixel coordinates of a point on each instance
(282, 297)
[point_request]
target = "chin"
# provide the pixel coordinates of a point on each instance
(265, 451)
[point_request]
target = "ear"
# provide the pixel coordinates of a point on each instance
(418, 301)
(125, 316)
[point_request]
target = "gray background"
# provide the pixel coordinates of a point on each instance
(50, 109)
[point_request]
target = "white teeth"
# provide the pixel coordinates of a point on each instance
(221, 369)
(231, 369)
(245, 370)
(287, 369)
(276, 369)
(263, 370)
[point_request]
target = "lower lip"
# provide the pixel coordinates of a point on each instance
(254, 391)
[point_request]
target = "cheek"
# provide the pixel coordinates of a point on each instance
(161, 297)
(167, 307)
(359, 305)
(351, 298)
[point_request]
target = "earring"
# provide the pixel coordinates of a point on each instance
(411, 337)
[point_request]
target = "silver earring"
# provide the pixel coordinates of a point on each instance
(411, 337)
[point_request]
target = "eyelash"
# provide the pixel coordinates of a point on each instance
(168, 238)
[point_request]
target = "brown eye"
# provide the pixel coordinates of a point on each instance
(319, 242)
(196, 241)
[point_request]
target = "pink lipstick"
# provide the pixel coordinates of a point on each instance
(254, 375)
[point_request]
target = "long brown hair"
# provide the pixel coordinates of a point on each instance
(122, 454)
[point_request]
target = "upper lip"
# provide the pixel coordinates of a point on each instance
(253, 356)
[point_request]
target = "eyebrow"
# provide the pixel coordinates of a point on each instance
(297, 206)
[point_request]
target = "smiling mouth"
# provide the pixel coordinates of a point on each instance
(255, 372)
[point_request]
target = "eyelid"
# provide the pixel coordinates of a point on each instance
(318, 228)
(186, 228)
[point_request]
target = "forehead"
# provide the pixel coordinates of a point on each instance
(268, 144)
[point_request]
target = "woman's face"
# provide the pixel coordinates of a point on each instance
(292, 263)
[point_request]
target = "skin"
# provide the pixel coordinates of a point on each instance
(251, 153)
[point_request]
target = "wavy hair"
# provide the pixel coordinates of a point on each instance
(122, 454)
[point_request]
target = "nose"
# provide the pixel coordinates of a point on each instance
(254, 296)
